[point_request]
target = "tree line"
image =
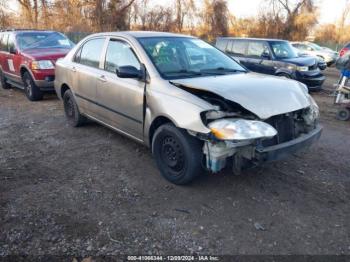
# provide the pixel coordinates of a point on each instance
(286, 19)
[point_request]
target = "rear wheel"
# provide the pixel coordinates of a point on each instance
(343, 114)
(3, 81)
(178, 155)
(31, 90)
(71, 110)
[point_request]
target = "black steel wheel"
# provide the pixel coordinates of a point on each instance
(178, 155)
(71, 110)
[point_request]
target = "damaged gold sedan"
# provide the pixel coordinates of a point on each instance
(195, 107)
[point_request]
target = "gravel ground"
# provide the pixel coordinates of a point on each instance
(90, 191)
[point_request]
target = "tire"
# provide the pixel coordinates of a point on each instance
(71, 110)
(285, 75)
(343, 114)
(177, 154)
(31, 90)
(3, 82)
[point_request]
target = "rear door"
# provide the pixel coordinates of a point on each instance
(13, 59)
(4, 53)
(121, 99)
(85, 71)
(237, 49)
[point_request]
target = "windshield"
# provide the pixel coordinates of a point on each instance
(283, 50)
(31, 40)
(183, 57)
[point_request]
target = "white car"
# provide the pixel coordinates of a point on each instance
(328, 55)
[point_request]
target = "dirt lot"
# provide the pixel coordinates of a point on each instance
(91, 191)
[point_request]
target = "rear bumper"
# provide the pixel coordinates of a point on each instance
(283, 150)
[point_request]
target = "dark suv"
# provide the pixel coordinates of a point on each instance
(273, 57)
(28, 57)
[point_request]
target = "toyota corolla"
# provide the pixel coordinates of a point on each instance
(194, 106)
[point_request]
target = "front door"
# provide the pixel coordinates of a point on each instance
(259, 58)
(121, 99)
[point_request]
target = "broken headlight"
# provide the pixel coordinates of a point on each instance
(315, 110)
(312, 114)
(241, 129)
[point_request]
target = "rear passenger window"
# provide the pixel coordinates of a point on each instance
(11, 42)
(239, 47)
(221, 44)
(256, 49)
(3, 43)
(90, 53)
(229, 47)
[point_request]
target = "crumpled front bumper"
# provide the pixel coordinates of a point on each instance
(280, 151)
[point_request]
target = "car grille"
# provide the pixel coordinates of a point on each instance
(285, 126)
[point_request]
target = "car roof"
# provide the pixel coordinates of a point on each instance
(26, 31)
(143, 34)
(253, 39)
(301, 42)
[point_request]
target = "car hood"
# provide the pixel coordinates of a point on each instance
(46, 54)
(301, 61)
(264, 96)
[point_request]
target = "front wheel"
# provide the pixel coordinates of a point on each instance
(178, 155)
(31, 90)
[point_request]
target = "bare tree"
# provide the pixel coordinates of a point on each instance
(4, 15)
(341, 27)
(184, 10)
(214, 18)
(293, 17)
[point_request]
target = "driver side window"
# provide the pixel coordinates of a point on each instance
(119, 54)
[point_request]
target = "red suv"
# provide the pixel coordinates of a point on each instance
(27, 60)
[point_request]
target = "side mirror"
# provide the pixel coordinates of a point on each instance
(266, 56)
(129, 72)
(12, 50)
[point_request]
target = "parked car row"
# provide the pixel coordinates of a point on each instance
(326, 54)
(273, 57)
(197, 108)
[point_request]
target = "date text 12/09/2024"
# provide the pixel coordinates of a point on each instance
(173, 258)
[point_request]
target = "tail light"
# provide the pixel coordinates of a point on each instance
(343, 51)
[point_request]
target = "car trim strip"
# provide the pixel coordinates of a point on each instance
(108, 108)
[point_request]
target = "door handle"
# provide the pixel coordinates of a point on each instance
(73, 69)
(102, 78)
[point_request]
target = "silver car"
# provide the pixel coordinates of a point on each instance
(195, 107)
(313, 49)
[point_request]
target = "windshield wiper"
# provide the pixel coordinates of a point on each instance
(184, 71)
(222, 70)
